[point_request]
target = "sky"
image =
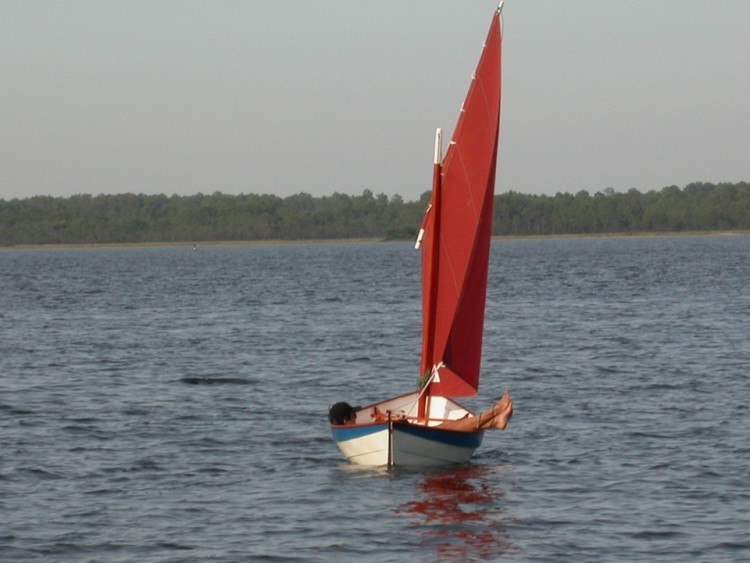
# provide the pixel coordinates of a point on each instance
(322, 96)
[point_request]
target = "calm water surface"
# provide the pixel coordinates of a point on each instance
(169, 405)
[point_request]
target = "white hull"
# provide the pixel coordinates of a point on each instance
(405, 444)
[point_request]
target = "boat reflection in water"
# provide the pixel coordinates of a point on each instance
(461, 514)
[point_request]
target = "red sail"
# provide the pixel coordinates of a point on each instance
(456, 254)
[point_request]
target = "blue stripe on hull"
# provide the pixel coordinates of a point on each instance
(459, 439)
(344, 433)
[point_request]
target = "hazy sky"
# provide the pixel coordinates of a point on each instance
(282, 97)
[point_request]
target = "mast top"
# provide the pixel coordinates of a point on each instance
(500, 6)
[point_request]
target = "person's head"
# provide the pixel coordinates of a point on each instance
(342, 413)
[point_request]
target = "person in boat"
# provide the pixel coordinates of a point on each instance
(496, 417)
(342, 413)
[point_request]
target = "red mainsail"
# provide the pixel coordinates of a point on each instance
(457, 233)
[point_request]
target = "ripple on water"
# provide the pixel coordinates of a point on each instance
(177, 411)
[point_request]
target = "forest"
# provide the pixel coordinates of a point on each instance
(131, 218)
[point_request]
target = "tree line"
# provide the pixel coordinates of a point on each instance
(139, 218)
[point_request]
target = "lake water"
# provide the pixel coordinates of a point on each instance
(170, 405)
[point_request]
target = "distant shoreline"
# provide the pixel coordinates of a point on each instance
(651, 234)
(123, 245)
(188, 245)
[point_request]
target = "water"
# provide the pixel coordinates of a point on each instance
(169, 405)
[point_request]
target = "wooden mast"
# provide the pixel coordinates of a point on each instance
(428, 343)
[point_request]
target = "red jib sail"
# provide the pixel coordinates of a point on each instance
(457, 233)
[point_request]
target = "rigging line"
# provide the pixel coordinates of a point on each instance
(434, 373)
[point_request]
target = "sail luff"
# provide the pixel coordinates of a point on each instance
(431, 270)
(431, 260)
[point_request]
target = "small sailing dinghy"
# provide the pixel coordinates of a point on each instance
(410, 430)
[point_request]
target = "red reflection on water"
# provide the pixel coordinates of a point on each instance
(461, 513)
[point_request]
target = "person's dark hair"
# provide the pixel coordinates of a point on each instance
(340, 413)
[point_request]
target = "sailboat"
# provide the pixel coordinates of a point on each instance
(455, 245)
